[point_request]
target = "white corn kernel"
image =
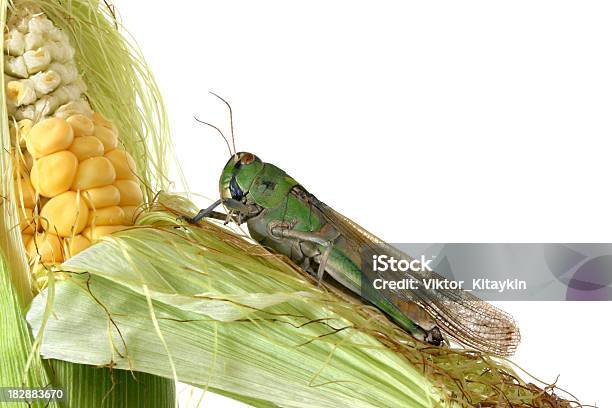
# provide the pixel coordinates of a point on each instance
(62, 96)
(68, 72)
(68, 93)
(16, 67)
(21, 92)
(14, 43)
(80, 107)
(25, 112)
(36, 60)
(54, 34)
(45, 106)
(53, 49)
(40, 24)
(33, 41)
(73, 91)
(46, 82)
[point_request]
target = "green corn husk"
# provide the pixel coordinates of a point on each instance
(15, 341)
(209, 308)
(120, 86)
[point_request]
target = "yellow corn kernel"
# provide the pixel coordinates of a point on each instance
(107, 136)
(81, 125)
(26, 220)
(102, 197)
(94, 233)
(48, 246)
(76, 244)
(130, 191)
(25, 192)
(65, 214)
(100, 120)
(54, 174)
(86, 147)
(49, 136)
(130, 213)
(94, 172)
(106, 216)
(124, 164)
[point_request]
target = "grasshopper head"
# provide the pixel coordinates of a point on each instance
(238, 175)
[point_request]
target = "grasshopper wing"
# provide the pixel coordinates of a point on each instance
(461, 315)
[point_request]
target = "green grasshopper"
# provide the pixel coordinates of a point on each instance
(283, 216)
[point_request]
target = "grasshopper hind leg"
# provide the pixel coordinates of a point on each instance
(323, 262)
(312, 241)
(317, 251)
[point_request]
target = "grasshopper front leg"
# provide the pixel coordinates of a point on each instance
(239, 212)
(207, 213)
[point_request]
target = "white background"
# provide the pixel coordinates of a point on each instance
(472, 121)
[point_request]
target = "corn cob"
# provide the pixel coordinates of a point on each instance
(51, 129)
(75, 182)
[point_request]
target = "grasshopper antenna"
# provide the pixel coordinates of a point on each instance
(218, 130)
(231, 118)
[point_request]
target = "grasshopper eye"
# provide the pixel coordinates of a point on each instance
(248, 158)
